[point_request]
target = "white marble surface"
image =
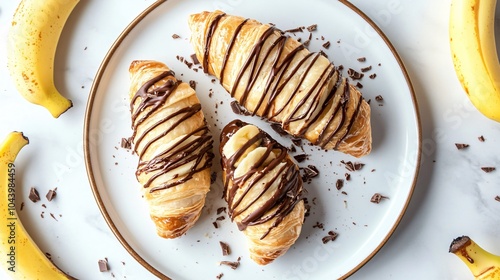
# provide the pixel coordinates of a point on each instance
(452, 197)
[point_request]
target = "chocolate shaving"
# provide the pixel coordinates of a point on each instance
(330, 237)
(195, 60)
(359, 85)
(103, 265)
(192, 84)
(379, 98)
(51, 194)
(233, 265)
(376, 198)
(318, 225)
(312, 28)
(497, 198)
(218, 277)
(347, 176)
(321, 52)
(175, 36)
(373, 76)
(33, 195)
(362, 59)
(220, 218)
(126, 143)
(300, 158)
(297, 142)
(220, 210)
(54, 217)
(215, 225)
(366, 69)
(238, 109)
(309, 172)
(277, 127)
(225, 248)
(355, 75)
(488, 169)
(461, 146)
(22, 206)
(481, 138)
(349, 165)
(294, 30)
(326, 45)
(339, 184)
(307, 42)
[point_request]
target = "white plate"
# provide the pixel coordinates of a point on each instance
(363, 227)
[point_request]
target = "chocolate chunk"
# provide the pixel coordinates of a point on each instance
(175, 36)
(300, 158)
(126, 143)
(461, 146)
(330, 237)
(233, 265)
(373, 76)
(497, 198)
(379, 98)
(277, 127)
(349, 165)
(355, 75)
(488, 169)
(310, 171)
(376, 198)
(34, 196)
(481, 138)
(362, 59)
(51, 194)
(103, 265)
(194, 58)
(359, 85)
(366, 69)
(339, 184)
(326, 45)
(297, 142)
(225, 248)
(312, 28)
(192, 84)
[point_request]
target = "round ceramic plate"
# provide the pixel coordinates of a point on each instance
(346, 36)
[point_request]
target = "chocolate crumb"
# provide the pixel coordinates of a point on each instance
(215, 225)
(349, 165)
(326, 45)
(297, 142)
(44, 206)
(192, 84)
(22, 206)
(373, 76)
(481, 138)
(307, 42)
(359, 85)
(277, 127)
(461, 146)
(312, 28)
(318, 225)
(347, 176)
(379, 98)
(344, 193)
(292, 149)
(220, 210)
(362, 59)
(340, 67)
(488, 169)
(48, 255)
(195, 60)
(321, 52)
(330, 237)
(34, 196)
(220, 218)
(376, 198)
(497, 198)
(103, 265)
(126, 143)
(41, 214)
(218, 277)
(51, 195)
(225, 248)
(339, 184)
(238, 109)
(175, 36)
(355, 75)
(233, 265)
(366, 69)
(300, 158)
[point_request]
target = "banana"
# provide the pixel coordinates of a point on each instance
(21, 257)
(239, 139)
(474, 53)
(482, 264)
(32, 43)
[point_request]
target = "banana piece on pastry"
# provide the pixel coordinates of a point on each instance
(172, 140)
(276, 77)
(263, 189)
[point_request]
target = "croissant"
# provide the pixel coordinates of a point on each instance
(276, 77)
(174, 146)
(263, 190)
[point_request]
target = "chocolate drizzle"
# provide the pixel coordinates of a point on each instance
(279, 103)
(194, 148)
(286, 194)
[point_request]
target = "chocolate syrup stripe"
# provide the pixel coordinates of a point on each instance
(197, 150)
(276, 80)
(289, 190)
(351, 123)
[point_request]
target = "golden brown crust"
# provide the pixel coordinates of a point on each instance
(276, 77)
(167, 121)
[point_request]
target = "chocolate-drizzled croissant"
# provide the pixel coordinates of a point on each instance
(276, 77)
(174, 146)
(263, 190)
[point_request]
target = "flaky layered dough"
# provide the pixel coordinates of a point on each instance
(174, 146)
(263, 189)
(276, 77)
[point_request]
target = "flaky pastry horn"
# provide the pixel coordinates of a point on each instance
(276, 77)
(172, 140)
(263, 190)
